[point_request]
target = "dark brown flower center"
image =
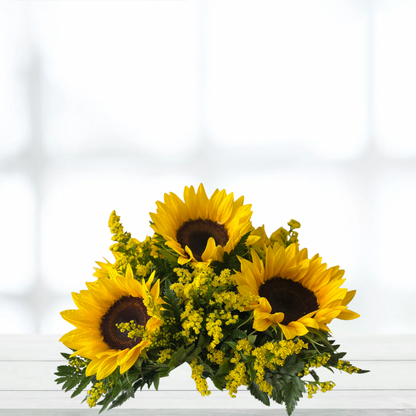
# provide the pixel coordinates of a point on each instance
(289, 297)
(196, 233)
(126, 309)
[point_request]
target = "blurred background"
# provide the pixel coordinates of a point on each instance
(305, 107)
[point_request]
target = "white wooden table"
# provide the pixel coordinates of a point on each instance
(27, 364)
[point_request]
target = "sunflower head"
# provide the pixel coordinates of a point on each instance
(102, 309)
(201, 229)
(295, 292)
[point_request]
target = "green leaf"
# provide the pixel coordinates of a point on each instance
(65, 370)
(187, 352)
(172, 304)
(230, 260)
(291, 394)
(224, 347)
(277, 393)
(219, 382)
(362, 371)
(291, 360)
(139, 362)
(252, 339)
(174, 360)
(293, 370)
(322, 336)
(60, 380)
(297, 382)
(106, 401)
(201, 341)
(239, 334)
(232, 344)
(225, 368)
(65, 355)
(314, 375)
(156, 380)
(84, 383)
(123, 397)
(251, 371)
(163, 372)
(193, 355)
(117, 389)
(207, 370)
(70, 384)
(258, 394)
(333, 361)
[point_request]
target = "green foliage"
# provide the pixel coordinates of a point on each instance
(81, 386)
(293, 388)
(230, 260)
(239, 334)
(292, 367)
(171, 307)
(70, 378)
(258, 394)
(168, 259)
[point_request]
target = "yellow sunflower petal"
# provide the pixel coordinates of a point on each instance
(132, 356)
(293, 329)
(210, 250)
(93, 367)
(278, 317)
(348, 315)
(107, 367)
(349, 297)
(261, 324)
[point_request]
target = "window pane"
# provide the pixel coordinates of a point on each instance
(395, 81)
(14, 122)
(119, 75)
(324, 201)
(51, 321)
(17, 237)
(75, 217)
(394, 224)
(289, 73)
(16, 317)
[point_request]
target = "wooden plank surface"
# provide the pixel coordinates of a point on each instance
(27, 364)
(378, 399)
(208, 412)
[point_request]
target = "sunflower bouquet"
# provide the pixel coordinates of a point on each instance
(208, 290)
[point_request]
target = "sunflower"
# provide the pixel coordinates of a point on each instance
(107, 302)
(294, 292)
(201, 229)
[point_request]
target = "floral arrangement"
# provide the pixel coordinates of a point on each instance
(209, 290)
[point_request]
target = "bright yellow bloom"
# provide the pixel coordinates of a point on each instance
(295, 292)
(97, 391)
(202, 229)
(201, 383)
(215, 356)
(236, 378)
(347, 367)
(263, 239)
(106, 303)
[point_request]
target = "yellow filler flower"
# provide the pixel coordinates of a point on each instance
(295, 292)
(107, 302)
(201, 229)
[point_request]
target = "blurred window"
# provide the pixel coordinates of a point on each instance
(298, 105)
